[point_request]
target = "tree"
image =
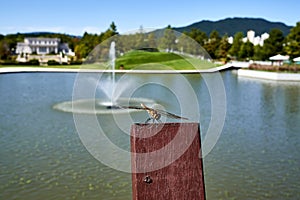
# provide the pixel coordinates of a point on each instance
(151, 40)
(258, 52)
(168, 40)
(87, 43)
(140, 38)
(223, 49)
(113, 28)
(111, 31)
(292, 46)
(236, 45)
(246, 51)
(198, 35)
(4, 50)
(274, 44)
(184, 44)
(213, 43)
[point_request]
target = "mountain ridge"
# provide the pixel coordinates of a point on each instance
(230, 26)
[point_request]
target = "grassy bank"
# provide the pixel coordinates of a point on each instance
(141, 60)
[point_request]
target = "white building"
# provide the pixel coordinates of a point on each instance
(263, 37)
(42, 46)
(38, 48)
(251, 36)
(258, 40)
(230, 40)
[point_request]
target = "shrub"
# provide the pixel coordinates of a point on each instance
(53, 62)
(282, 68)
(76, 62)
(33, 62)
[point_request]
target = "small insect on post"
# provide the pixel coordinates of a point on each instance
(166, 162)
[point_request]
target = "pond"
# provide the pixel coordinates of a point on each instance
(257, 155)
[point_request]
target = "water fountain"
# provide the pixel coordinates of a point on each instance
(105, 83)
(112, 58)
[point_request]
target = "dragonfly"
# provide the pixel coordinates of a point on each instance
(154, 114)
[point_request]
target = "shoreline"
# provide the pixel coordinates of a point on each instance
(234, 65)
(275, 76)
(241, 67)
(4, 70)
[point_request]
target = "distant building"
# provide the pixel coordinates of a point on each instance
(230, 40)
(251, 36)
(258, 40)
(39, 48)
(263, 37)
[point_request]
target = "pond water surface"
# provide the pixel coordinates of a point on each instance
(41, 156)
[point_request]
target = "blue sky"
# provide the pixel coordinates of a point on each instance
(94, 16)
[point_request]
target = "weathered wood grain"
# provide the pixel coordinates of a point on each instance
(166, 162)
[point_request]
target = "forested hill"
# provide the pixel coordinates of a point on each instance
(230, 26)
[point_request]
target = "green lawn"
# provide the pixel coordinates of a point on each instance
(160, 61)
(142, 60)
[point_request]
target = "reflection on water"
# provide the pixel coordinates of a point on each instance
(100, 106)
(42, 157)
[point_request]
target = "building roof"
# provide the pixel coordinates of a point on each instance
(296, 59)
(279, 57)
(41, 38)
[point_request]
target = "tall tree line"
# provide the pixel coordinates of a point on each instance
(216, 45)
(219, 48)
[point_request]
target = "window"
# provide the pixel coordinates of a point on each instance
(42, 50)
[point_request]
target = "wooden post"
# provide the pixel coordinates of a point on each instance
(166, 162)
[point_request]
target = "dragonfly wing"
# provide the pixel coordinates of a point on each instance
(132, 107)
(170, 115)
(162, 112)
